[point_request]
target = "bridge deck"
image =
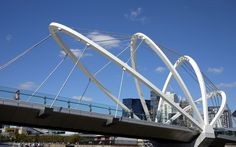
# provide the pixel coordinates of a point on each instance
(221, 140)
(36, 115)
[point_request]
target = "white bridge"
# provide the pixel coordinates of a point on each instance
(199, 119)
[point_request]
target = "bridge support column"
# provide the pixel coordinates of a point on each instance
(45, 112)
(206, 137)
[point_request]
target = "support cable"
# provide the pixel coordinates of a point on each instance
(214, 87)
(87, 85)
(193, 75)
(109, 40)
(109, 62)
(67, 78)
(179, 55)
(97, 32)
(209, 84)
(24, 53)
(120, 89)
(49, 75)
(98, 71)
(85, 90)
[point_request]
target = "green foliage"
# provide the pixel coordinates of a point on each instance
(4, 138)
(50, 138)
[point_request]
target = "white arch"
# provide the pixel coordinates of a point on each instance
(221, 110)
(200, 81)
(137, 84)
(167, 62)
(222, 106)
(204, 97)
(208, 96)
(53, 27)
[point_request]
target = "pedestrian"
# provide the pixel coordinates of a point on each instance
(17, 97)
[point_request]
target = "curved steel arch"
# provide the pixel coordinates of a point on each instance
(201, 82)
(137, 84)
(53, 27)
(221, 110)
(222, 106)
(209, 95)
(167, 62)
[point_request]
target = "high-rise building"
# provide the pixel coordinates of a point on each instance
(183, 103)
(182, 120)
(225, 118)
(166, 110)
(154, 105)
(135, 105)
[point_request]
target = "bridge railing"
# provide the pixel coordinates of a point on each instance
(64, 102)
(75, 104)
(225, 131)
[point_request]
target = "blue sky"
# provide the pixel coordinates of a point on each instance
(204, 30)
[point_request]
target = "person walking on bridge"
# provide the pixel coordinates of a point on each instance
(17, 96)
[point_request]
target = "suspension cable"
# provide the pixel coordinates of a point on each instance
(110, 43)
(67, 78)
(85, 90)
(120, 88)
(209, 85)
(115, 39)
(213, 86)
(189, 71)
(109, 62)
(24, 53)
(90, 31)
(49, 75)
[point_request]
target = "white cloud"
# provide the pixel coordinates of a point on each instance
(76, 52)
(88, 99)
(27, 85)
(160, 69)
(215, 70)
(136, 15)
(104, 40)
(227, 85)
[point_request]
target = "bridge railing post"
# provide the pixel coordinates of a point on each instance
(132, 114)
(90, 107)
(45, 100)
(109, 111)
(68, 104)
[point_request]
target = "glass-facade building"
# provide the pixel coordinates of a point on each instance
(134, 104)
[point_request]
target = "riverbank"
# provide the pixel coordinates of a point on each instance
(57, 145)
